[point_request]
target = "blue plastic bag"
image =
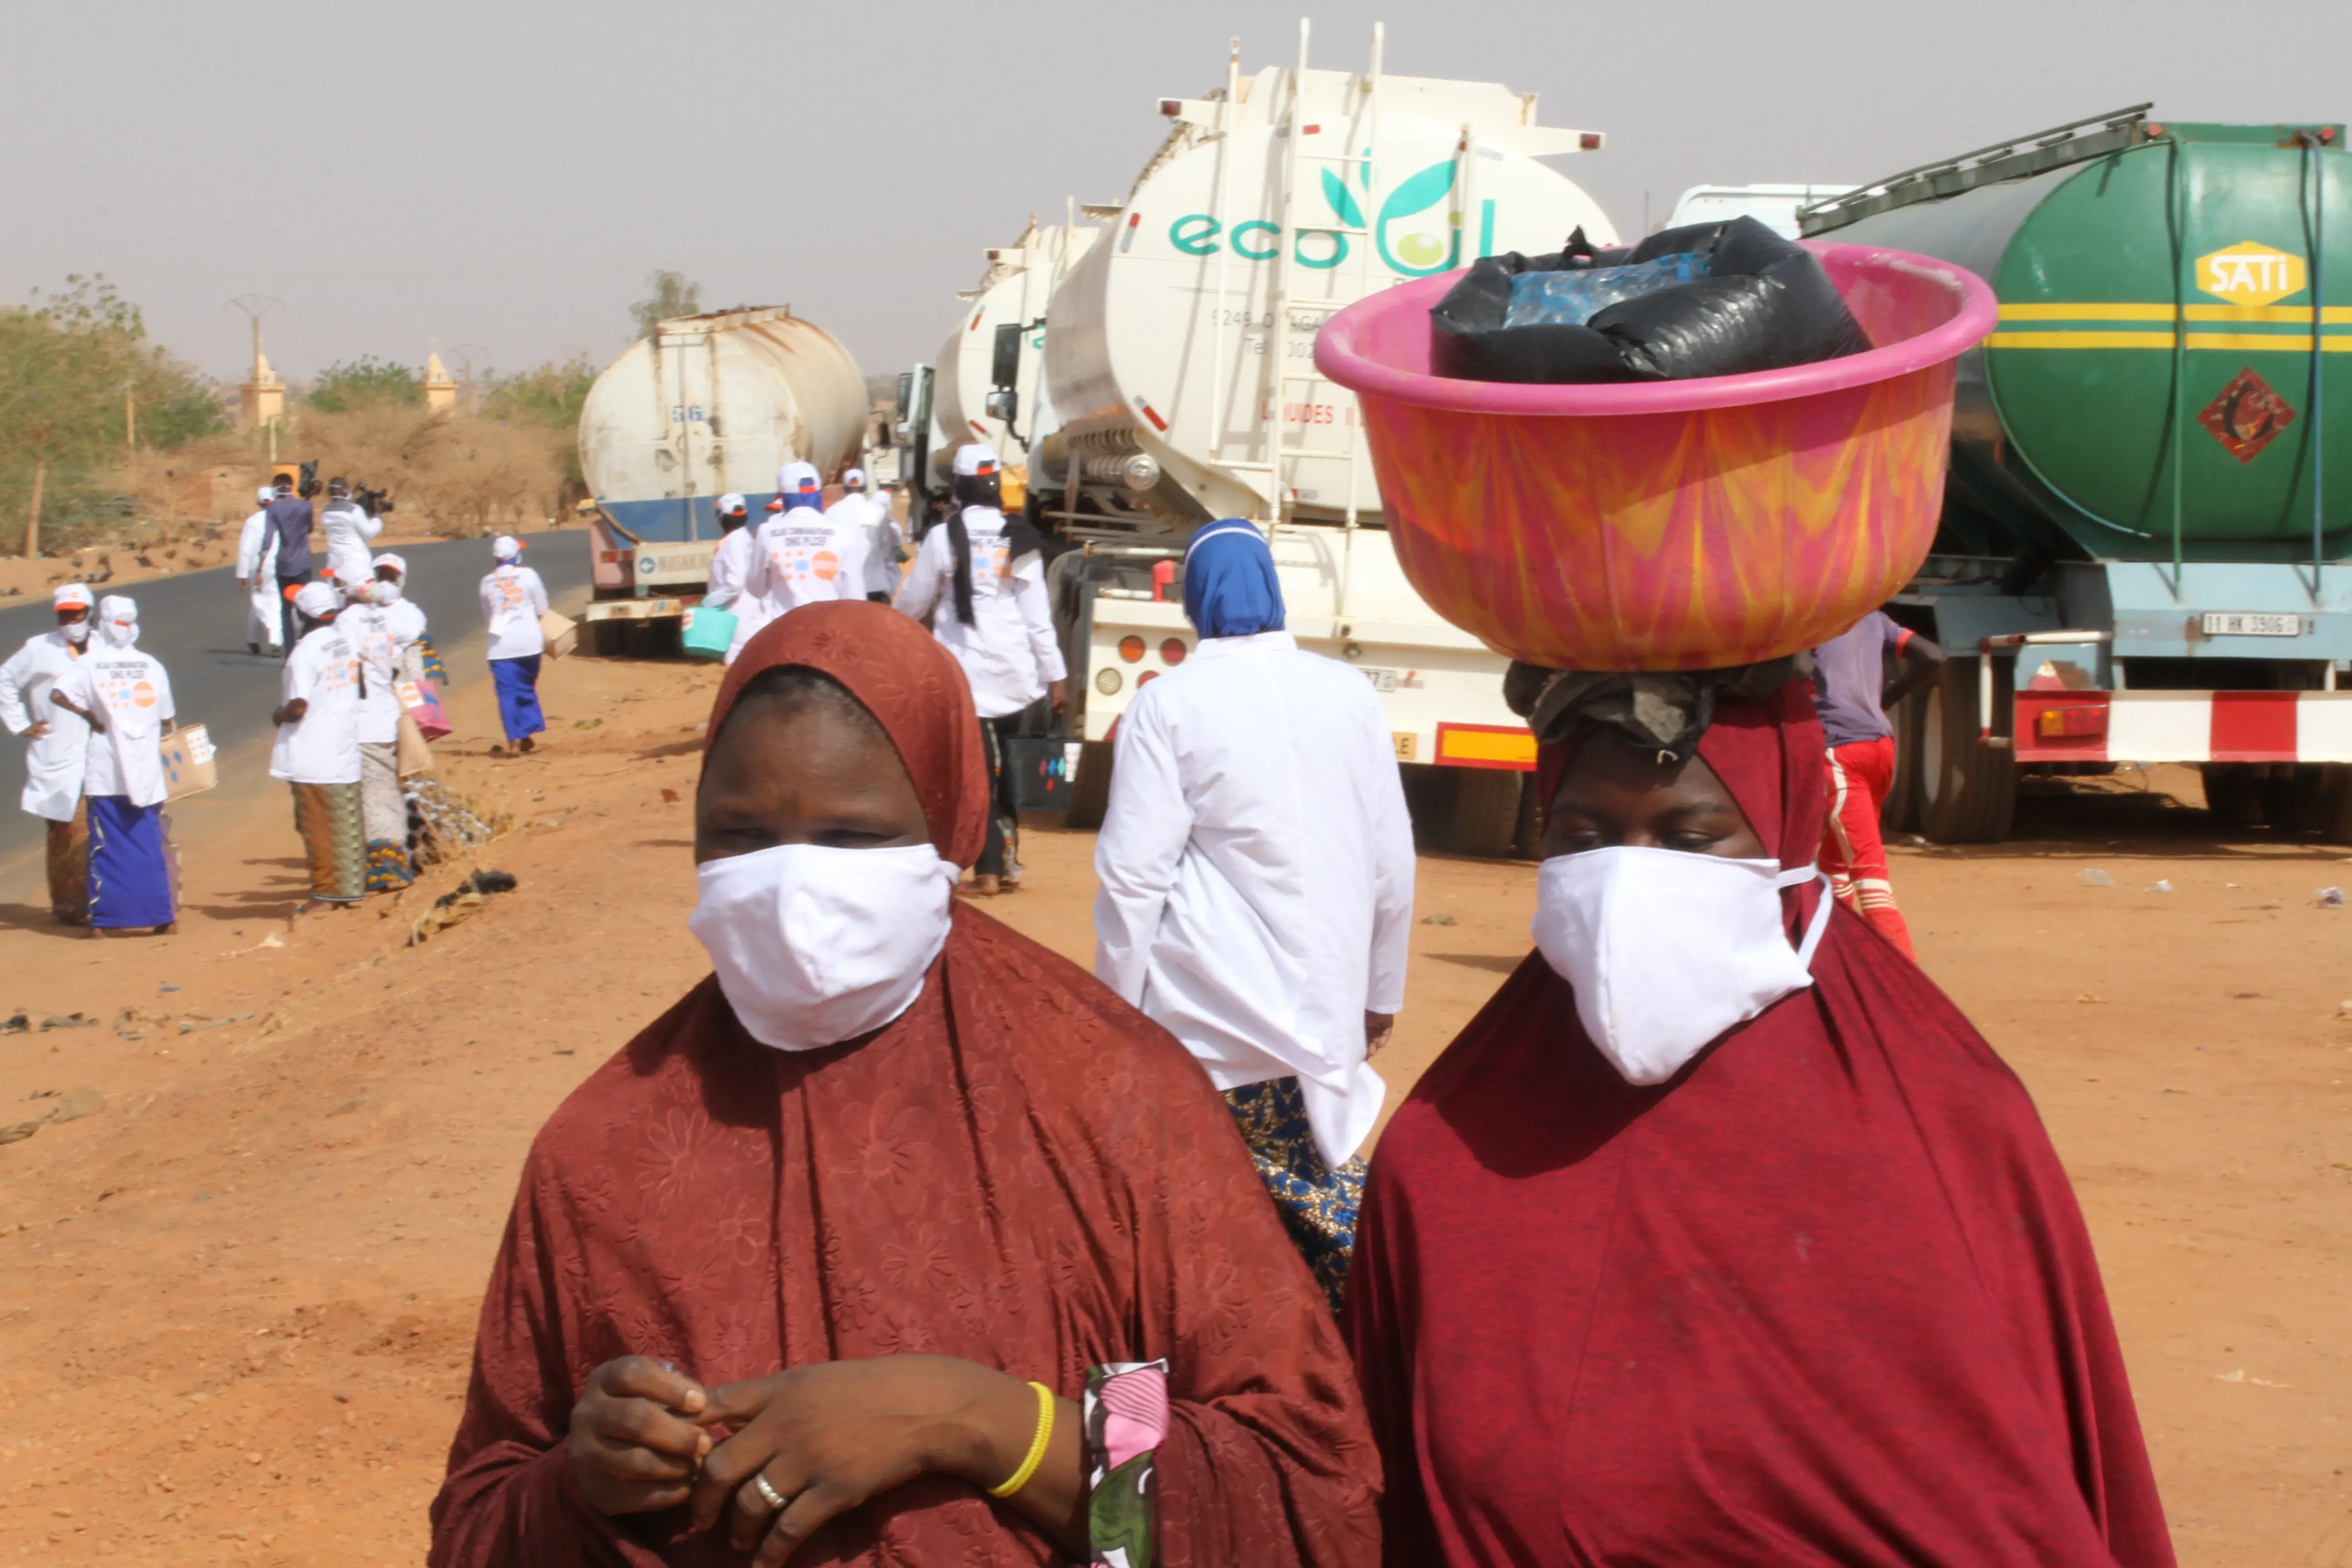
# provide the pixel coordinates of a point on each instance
(1571, 298)
(708, 633)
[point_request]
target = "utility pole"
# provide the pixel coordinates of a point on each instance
(263, 396)
(466, 353)
(130, 417)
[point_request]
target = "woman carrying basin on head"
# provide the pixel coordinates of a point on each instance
(879, 1236)
(1720, 1236)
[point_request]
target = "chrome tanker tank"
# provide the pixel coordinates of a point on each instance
(704, 406)
(1179, 351)
(1002, 334)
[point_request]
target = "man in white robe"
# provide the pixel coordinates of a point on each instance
(801, 555)
(256, 578)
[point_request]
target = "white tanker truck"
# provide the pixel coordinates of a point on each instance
(1178, 364)
(999, 347)
(703, 406)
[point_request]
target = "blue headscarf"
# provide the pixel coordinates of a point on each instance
(1229, 588)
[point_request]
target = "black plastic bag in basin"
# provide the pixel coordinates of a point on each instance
(1767, 304)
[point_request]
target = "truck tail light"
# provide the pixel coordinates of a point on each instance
(1130, 649)
(1173, 652)
(2071, 722)
(610, 557)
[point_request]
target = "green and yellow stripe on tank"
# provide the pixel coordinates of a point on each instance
(2128, 325)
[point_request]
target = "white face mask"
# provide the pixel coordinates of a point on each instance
(1667, 948)
(387, 593)
(815, 945)
(76, 632)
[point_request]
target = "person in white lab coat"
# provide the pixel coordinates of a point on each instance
(256, 578)
(801, 555)
(513, 598)
(1256, 865)
(56, 747)
(980, 579)
(866, 516)
(372, 626)
(348, 528)
(125, 698)
(730, 565)
(318, 748)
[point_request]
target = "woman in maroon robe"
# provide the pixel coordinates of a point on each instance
(1017, 1178)
(1821, 1298)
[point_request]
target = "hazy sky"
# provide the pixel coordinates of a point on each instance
(503, 173)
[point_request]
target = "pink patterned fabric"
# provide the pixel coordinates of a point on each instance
(1021, 1171)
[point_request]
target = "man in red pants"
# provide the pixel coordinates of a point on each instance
(1851, 694)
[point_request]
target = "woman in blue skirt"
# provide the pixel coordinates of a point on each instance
(127, 700)
(513, 598)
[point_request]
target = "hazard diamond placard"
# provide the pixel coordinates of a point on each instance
(2247, 416)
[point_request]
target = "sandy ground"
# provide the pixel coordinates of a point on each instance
(240, 1301)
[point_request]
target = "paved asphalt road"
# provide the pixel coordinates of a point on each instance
(195, 624)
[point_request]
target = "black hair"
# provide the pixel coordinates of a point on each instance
(792, 687)
(1020, 534)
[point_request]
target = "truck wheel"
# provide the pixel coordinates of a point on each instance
(1482, 816)
(2229, 803)
(2331, 810)
(1968, 792)
(1090, 796)
(2292, 798)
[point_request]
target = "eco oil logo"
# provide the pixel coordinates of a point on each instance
(2251, 274)
(1430, 245)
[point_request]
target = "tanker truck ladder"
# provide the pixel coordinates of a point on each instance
(1354, 170)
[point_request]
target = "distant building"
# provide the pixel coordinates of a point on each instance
(262, 400)
(440, 391)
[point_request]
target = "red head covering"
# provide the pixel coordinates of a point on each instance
(1822, 1300)
(912, 686)
(1771, 756)
(1021, 1171)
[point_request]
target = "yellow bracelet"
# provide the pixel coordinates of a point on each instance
(1037, 1444)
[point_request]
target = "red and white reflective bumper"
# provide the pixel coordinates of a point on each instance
(2184, 727)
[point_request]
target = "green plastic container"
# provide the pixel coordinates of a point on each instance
(2153, 391)
(708, 633)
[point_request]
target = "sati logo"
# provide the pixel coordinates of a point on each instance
(2251, 274)
(1406, 247)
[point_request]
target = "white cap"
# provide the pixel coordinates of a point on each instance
(72, 596)
(505, 547)
(974, 459)
(116, 607)
(853, 479)
(317, 600)
(731, 503)
(264, 495)
(394, 561)
(798, 478)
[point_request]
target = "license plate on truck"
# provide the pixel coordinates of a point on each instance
(1383, 680)
(2250, 624)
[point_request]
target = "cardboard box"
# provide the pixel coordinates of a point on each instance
(562, 632)
(188, 766)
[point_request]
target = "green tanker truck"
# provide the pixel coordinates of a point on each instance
(2143, 553)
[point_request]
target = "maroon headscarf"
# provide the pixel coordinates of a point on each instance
(1021, 1171)
(1822, 1300)
(911, 684)
(1776, 749)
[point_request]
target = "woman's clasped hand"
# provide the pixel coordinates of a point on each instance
(770, 1460)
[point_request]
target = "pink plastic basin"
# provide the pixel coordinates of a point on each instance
(1669, 525)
